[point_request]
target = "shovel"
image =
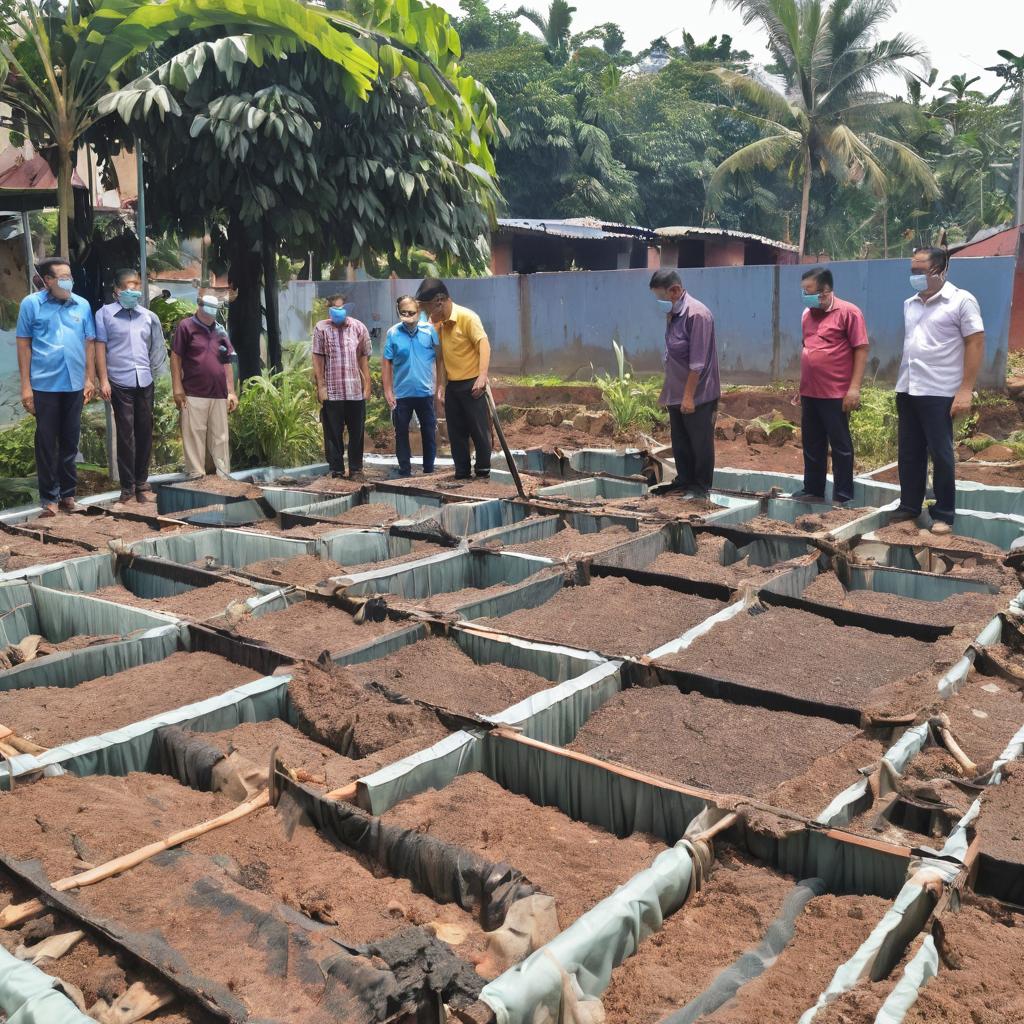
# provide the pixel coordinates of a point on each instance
(513, 469)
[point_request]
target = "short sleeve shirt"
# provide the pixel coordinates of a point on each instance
(690, 347)
(198, 347)
(830, 336)
(461, 337)
(933, 341)
(132, 337)
(412, 357)
(59, 332)
(341, 346)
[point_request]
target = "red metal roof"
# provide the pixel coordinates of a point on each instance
(1003, 243)
(20, 175)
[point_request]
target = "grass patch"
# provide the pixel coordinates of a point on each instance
(632, 400)
(873, 426)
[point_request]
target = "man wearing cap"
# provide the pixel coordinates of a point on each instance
(130, 354)
(55, 336)
(203, 384)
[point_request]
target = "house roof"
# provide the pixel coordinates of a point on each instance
(586, 229)
(685, 231)
(992, 242)
(28, 184)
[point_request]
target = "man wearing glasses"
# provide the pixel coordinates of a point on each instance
(465, 358)
(408, 374)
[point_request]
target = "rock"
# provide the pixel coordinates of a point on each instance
(996, 453)
(538, 417)
(755, 434)
(566, 424)
(579, 421)
(726, 427)
(780, 435)
(979, 438)
(963, 453)
(602, 423)
(1015, 387)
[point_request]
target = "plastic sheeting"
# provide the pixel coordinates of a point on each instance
(44, 570)
(996, 528)
(234, 548)
(596, 943)
(922, 967)
(592, 489)
(526, 595)
(356, 547)
(611, 462)
(28, 996)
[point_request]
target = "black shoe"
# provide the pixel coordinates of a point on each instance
(803, 495)
(486, 475)
(460, 476)
(338, 476)
(842, 502)
(903, 515)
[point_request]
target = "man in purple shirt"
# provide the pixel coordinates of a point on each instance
(130, 354)
(203, 383)
(692, 387)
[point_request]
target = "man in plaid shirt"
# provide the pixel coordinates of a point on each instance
(341, 363)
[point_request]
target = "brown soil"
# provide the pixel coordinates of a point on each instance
(667, 506)
(98, 530)
(932, 763)
(728, 916)
(451, 600)
(711, 744)
(908, 532)
(477, 488)
(298, 570)
(308, 628)
(706, 565)
(593, 617)
(993, 476)
(958, 608)
(198, 604)
(216, 484)
(23, 552)
(437, 671)
(984, 715)
(333, 708)
(795, 652)
(571, 544)
(577, 863)
(374, 513)
(981, 974)
(828, 932)
(805, 524)
(51, 715)
(273, 526)
(318, 484)
(737, 454)
(1001, 827)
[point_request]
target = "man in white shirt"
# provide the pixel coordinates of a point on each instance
(943, 345)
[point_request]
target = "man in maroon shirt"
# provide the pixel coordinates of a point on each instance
(835, 352)
(203, 384)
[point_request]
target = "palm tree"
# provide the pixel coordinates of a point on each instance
(555, 27)
(826, 113)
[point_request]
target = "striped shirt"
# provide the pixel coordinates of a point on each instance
(342, 346)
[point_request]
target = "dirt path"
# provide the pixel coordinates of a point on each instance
(577, 863)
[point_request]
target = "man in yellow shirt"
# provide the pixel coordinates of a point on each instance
(462, 376)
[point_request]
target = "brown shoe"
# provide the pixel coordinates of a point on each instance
(145, 497)
(48, 512)
(941, 529)
(70, 505)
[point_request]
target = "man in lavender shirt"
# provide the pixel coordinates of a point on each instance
(692, 387)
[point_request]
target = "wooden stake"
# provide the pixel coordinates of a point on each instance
(16, 913)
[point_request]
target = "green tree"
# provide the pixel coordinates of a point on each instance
(828, 113)
(57, 60)
(555, 27)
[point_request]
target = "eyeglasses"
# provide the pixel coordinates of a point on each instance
(403, 313)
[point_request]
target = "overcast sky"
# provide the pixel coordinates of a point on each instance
(959, 36)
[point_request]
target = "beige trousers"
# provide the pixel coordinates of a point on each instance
(204, 435)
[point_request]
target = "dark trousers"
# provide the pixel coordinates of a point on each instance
(133, 423)
(336, 418)
(926, 428)
(401, 415)
(693, 445)
(58, 427)
(466, 418)
(824, 425)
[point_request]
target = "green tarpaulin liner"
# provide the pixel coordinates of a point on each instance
(356, 547)
(596, 943)
(179, 497)
(134, 748)
(42, 572)
(465, 518)
(526, 595)
(280, 498)
(28, 996)
(234, 548)
(543, 526)
(592, 489)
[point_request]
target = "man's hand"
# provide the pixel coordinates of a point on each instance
(961, 403)
(232, 401)
(687, 405)
(795, 400)
(440, 393)
(321, 393)
(89, 392)
(852, 400)
(105, 390)
(28, 400)
(179, 398)
(479, 385)
(367, 390)
(389, 397)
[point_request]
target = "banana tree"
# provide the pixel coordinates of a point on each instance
(57, 60)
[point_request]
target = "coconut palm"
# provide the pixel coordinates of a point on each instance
(555, 26)
(825, 112)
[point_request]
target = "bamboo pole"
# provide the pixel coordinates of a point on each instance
(16, 913)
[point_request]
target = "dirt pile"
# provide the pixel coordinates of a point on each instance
(17, 552)
(216, 484)
(297, 571)
(571, 544)
(1001, 826)
(98, 530)
(706, 565)
(198, 603)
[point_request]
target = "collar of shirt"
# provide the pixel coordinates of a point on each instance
(47, 296)
(679, 304)
(947, 291)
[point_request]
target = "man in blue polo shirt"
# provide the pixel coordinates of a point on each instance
(408, 374)
(55, 335)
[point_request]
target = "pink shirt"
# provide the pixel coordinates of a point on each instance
(826, 363)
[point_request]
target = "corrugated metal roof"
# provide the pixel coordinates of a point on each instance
(991, 242)
(683, 231)
(578, 228)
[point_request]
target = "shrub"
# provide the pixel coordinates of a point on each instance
(17, 449)
(873, 426)
(632, 401)
(277, 422)
(170, 312)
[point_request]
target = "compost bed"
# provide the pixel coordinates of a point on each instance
(727, 916)
(307, 628)
(576, 863)
(436, 670)
(907, 532)
(726, 748)
(613, 616)
(17, 552)
(98, 530)
(669, 506)
(807, 656)
(198, 603)
(309, 571)
(217, 484)
(570, 544)
(1001, 827)
(806, 523)
(706, 565)
(52, 715)
(479, 487)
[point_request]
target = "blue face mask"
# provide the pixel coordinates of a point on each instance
(129, 298)
(338, 314)
(67, 283)
(919, 282)
(210, 310)
(812, 301)
(665, 305)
